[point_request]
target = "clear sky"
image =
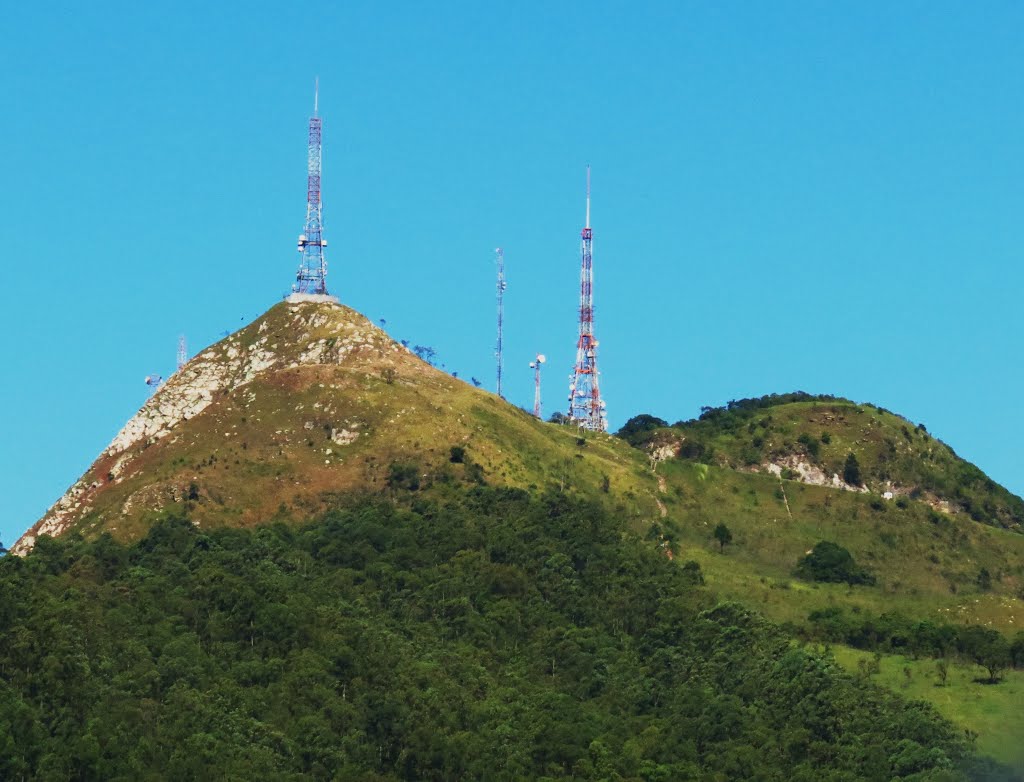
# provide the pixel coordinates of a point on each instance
(815, 196)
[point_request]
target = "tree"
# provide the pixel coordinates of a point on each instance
(723, 536)
(942, 671)
(1017, 650)
(984, 580)
(634, 431)
(425, 352)
(851, 471)
(832, 563)
(988, 648)
(558, 417)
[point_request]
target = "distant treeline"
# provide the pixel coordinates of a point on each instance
(895, 633)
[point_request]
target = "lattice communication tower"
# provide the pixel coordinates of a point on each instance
(312, 274)
(586, 408)
(535, 365)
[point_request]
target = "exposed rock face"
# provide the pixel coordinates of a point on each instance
(809, 473)
(313, 330)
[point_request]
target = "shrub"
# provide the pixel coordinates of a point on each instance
(403, 476)
(723, 535)
(831, 563)
(851, 471)
(634, 431)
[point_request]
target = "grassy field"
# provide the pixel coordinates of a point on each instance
(926, 565)
(993, 711)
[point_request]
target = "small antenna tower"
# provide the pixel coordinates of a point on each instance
(586, 408)
(182, 352)
(312, 274)
(501, 315)
(535, 366)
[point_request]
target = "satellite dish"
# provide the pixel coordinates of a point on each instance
(533, 365)
(541, 358)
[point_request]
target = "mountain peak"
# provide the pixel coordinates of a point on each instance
(309, 400)
(301, 333)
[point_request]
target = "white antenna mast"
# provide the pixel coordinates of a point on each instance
(588, 196)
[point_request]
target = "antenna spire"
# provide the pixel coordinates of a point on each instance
(586, 408)
(499, 349)
(588, 196)
(182, 352)
(311, 277)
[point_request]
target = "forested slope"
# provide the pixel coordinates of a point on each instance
(478, 634)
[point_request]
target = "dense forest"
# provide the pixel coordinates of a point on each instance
(487, 634)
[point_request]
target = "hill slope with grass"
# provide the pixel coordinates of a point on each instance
(775, 473)
(812, 439)
(312, 400)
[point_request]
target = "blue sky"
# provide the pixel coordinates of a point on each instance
(816, 196)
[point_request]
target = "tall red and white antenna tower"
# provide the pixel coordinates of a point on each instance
(535, 366)
(586, 408)
(312, 274)
(498, 353)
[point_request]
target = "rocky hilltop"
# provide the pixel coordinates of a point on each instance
(309, 400)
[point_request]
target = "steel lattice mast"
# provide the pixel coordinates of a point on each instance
(586, 408)
(182, 352)
(498, 352)
(312, 274)
(535, 365)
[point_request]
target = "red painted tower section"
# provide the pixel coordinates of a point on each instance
(586, 408)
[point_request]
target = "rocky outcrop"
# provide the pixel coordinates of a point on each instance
(311, 330)
(808, 473)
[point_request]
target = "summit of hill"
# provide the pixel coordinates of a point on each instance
(308, 401)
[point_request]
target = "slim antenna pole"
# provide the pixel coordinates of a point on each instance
(535, 365)
(588, 198)
(501, 315)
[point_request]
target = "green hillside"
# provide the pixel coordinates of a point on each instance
(937, 572)
(811, 438)
(484, 634)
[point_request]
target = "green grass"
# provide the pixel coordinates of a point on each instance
(993, 711)
(893, 453)
(924, 568)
